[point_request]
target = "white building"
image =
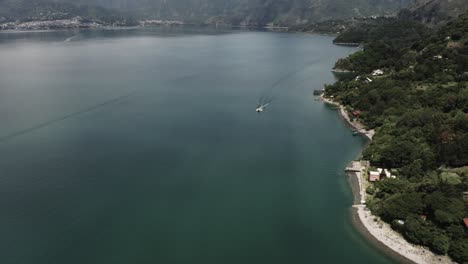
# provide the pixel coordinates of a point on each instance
(385, 171)
(377, 72)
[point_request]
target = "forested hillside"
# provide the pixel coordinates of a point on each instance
(397, 32)
(431, 13)
(237, 12)
(419, 108)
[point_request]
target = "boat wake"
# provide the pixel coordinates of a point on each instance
(70, 39)
(269, 93)
(65, 117)
(85, 110)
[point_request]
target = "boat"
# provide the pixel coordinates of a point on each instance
(261, 107)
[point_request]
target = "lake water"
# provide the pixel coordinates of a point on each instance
(143, 146)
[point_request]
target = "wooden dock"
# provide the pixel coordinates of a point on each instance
(354, 166)
(357, 169)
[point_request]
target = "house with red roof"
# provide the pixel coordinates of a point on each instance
(357, 113)
(374, 176)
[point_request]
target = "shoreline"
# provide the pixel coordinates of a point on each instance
(371, 239)
(348, 44)
(44, 26)
(355, 125)
(362, 229)
(382, 236)
(374, 230)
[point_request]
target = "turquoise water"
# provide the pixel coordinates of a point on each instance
(143, 146)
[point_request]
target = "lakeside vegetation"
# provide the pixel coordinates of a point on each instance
(419, 109)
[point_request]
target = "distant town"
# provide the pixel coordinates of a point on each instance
(75, 23)
(50, 24)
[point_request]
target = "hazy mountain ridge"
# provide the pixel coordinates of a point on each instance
(42, 10)
(233, 12)
(254, 12)
(434, 12)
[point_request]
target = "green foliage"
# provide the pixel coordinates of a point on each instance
(445, 210)
(422, 232)
(418, 231)
(459, 250)
(386, 43)
(420, 106)
(440, 244)
(370, 190)
(450, 178)
(415, 169)
(419, 109)
(400, 206)
(392, 186)
(455, 231)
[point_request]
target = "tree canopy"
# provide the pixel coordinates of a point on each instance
(419, 109)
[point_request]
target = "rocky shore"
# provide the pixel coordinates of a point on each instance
(392, 240)
(354, 124)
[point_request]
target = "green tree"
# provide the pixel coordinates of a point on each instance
(459, 250)
(417, 231)
(441, 244)
(400, 206)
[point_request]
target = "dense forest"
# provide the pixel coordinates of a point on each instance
(419, 109)
(432, 13)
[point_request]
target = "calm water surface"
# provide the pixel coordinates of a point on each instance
(143, 146)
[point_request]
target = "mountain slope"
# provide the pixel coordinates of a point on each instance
(434, 12)
(38, 10)
(240, 12)
(256, 12)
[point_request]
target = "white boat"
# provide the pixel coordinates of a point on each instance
(261, 108)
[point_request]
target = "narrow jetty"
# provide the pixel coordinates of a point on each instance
(357, 169)
(351, 44)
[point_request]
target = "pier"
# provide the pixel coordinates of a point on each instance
(358, 169)
(351, 44)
